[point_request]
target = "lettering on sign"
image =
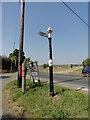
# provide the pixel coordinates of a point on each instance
(34, 74)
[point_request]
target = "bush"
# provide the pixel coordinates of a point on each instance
(45, 65)
(6, 63)
(86, 62)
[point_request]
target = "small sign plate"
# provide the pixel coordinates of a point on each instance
(34, 73)
(50, 62)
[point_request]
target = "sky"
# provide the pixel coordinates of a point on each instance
(69, 36)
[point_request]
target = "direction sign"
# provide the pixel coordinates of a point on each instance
(43, 34)
(34, 69)
(34, 72)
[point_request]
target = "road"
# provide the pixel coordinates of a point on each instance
(75, 82)
(5, 78)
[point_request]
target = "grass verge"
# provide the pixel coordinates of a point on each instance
(37, 103)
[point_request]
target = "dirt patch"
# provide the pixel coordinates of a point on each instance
(10, 108)
(56, 98)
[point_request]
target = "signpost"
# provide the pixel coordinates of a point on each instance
(50, 59)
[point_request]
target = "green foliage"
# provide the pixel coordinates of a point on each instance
(45, 65)
(6, 62)
(27, 61)
(86, 62)
(15, 55)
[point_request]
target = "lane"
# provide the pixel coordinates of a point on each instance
(6, 78)
(70, 81)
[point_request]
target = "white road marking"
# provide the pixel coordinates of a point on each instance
(82, 88)
(79, 77)
(85, 89)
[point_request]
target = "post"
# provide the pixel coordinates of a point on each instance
(23, 78)
(21, 43)
(50, 63)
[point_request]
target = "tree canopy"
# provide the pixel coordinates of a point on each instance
(86, 62)
(15, 54)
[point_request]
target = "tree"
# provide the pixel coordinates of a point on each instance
(15, 55)
(86, 62)
(5, 63)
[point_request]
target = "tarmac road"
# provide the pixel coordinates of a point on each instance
(75, 82)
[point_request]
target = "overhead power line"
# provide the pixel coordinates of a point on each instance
(75, 13)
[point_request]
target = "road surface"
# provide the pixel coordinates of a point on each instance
(75, 82)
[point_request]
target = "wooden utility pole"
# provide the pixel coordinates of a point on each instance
(21, 43)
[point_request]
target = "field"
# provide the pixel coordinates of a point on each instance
(63, 70)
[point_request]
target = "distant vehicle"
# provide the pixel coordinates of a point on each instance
(86, 71)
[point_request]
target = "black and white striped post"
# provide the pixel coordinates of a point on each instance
(50, 62)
